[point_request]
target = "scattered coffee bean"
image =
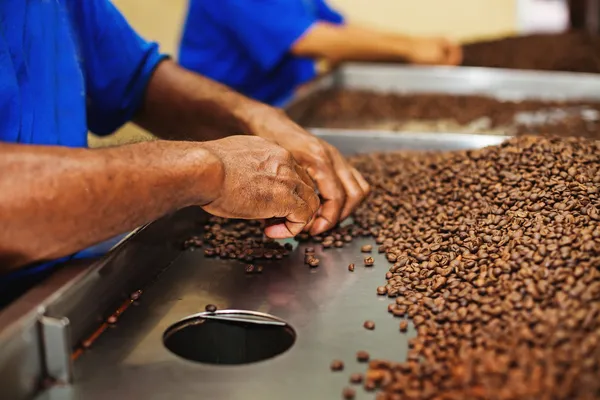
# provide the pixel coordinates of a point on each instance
(249, 268)
(313, 262)
(370, 325)
(403, 326)
(351, 267)
(348, 393)
(362, 356)
(356, 378)
(259, 269)
(211, 308)
(112, 319)
(369, 261)
(367, 248)
(338, 243)
(381, 290)
(337, 365)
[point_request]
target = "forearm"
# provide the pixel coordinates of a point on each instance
(180, 104)
(351, 43)
(55, 201)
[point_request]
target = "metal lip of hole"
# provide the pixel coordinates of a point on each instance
(240, 316)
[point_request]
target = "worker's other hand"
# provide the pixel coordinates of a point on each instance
(342, 188)
(434, 51)
(262, 181)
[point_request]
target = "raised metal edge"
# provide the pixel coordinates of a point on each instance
(247, 316)
(84, 292)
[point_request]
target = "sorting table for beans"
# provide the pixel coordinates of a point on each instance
(195, 307)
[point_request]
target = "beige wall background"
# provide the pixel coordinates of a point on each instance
(161, 20)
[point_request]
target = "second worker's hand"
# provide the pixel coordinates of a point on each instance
(341, 186)
(261, 180)
(434, 51)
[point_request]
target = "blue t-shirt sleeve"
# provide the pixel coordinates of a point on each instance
(266, 29)
(116, 61)
(326, 13)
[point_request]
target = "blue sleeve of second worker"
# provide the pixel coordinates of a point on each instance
(117, 63)
(266, 29)
(326, 13)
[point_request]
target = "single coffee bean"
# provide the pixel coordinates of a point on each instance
(313, 262)
(249, 268)
(351, 267)
(403, 326)
(211, 308)
(362, 356)
(367, 248)
(356, 378)
(381, 290)
(348, 393)
(370, 325)
(369, 261)
(337, 365)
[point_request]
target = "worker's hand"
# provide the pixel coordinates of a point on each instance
(262, 181)
(434, 51)
(342, 188)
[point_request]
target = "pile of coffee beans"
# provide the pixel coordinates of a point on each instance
(571, 51)
(359, 109)
(495, 258)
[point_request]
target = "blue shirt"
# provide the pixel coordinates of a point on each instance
(66, 67)
(245, 43)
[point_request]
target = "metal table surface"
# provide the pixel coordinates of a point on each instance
(326, 307)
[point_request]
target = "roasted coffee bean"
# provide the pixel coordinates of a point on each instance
(381, 290)
(351, 267)
(367, 248)
(338, 243)
(337, 365)
(259, 269)
(369, 261)
(112, 319)
(313, 262)
(403, 326)
(370, 325)
(348, 393)
(211, 308)
(249, 268)
(309, 250)
(356, 378)
(362, 356)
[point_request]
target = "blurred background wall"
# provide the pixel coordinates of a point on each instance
(464, 20)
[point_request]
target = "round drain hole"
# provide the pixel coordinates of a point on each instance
(229, 337)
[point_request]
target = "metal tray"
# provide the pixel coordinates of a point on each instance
(325, 306)
(501, 84)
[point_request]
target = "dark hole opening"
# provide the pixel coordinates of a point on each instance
(226, 342)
